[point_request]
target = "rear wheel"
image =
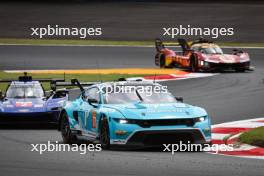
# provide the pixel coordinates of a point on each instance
(162, 61)
(65, 129)
(157, 60)
(104, 136)
(194, 64)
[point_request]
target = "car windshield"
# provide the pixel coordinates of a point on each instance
(211, 50)
(25, 91)
(149, 97)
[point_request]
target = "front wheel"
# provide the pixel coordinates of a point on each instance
(65, 129)
(104, 136)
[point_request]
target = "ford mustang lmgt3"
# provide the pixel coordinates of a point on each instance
(200, 55)
(25, 101)
(134, 119)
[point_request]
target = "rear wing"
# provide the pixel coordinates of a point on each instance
(73, 83)
(159, 45)
(181, 42)
(185, 45)
(201, 40)
(26, 78)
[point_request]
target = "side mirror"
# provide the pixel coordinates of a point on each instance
(179, 99)
(92, 101)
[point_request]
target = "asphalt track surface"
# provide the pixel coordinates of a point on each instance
(227, 97)
(134, 20)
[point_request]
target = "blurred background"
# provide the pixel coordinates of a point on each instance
(134, 20)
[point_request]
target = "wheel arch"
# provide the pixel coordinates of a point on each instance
(194, 56)
(101, 117)
(60, 118)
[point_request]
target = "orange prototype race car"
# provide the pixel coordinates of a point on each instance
(200, 55)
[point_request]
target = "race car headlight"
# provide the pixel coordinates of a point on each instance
(122, 121)
(200, 119)
(244, 58)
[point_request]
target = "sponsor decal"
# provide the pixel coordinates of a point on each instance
(93, 119)
(23, 104)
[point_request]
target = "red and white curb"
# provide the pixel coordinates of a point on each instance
(160, 77)
(228, 133)
(171, 77)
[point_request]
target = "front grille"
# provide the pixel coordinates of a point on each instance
(164, 122)
(166, 137)
(229, 65)
(159, 139)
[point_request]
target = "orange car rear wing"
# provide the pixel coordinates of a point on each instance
(181, 42)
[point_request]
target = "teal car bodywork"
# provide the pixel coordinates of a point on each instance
(133, 123)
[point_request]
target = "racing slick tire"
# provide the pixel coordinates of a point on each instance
(104, 135)
(66, 133)
(194, 64)
(162, 61)
(157, 59)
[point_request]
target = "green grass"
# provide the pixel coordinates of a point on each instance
(253, 137)
(103, 42)
(68, 77)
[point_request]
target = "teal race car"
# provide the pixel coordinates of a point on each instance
(132, 113)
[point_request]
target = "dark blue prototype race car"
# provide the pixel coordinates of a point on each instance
(25, 101)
